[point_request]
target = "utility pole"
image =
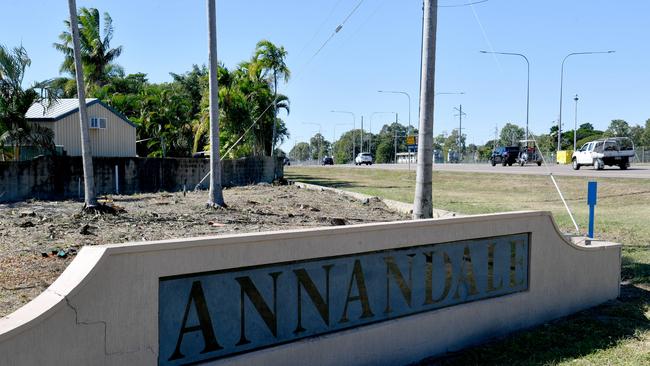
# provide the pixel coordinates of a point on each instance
(423, 205)
(216, 193)
(496, 135)
(575, 125)
(395, 141)
(460, 129)
(361, 134)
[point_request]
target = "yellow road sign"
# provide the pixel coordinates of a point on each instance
(411, 140)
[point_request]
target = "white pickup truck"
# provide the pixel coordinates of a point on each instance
(610, 151)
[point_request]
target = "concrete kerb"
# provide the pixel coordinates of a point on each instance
(402, 207)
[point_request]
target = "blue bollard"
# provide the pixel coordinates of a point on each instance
(592, 188)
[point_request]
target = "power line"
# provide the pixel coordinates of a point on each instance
(320, 28)
(336, 30)
(461, 5)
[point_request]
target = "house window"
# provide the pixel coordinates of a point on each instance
(96, 122)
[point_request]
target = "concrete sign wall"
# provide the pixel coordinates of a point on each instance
(367, 294)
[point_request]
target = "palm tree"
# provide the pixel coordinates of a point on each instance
(216, 194)
(97, 57)
(245, 99)
(90, 199)
(255, 82)
(35, 135)
(270, 59)
(15, 101)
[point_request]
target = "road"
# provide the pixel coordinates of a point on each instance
(637, 171)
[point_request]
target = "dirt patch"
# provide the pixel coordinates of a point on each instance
(38, 239)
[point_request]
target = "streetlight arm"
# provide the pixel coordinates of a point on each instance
(559, 123)
(527, 81)
(409, 98)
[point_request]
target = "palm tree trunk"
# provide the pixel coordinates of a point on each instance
(275, 111)
(90, 199)
(422, 206)
(216, 194)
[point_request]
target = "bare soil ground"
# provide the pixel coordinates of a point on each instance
(38, 239)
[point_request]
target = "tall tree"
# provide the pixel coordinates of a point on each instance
(319, 146)
(636, 134)
(423, 206)
(300, 151)
(97, 56)
(245, 100)
(645, 137)
(165, 121)
(345, 148)
(512, 133)
(16, 100)
(216, 193)
(618, 128)
(271, 59)
(90, 200)
(391, 139)
(454, 142)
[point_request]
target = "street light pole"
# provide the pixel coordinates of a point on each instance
(409, 98)
(354, 117)
(527, 81)
(575, 124)
(559, 122)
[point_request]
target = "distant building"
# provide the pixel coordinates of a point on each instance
(111, 134)
(404, 157)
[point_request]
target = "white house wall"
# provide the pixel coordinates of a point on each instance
(116, 140)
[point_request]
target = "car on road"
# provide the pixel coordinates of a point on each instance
(286, 161)
(363, 158)
(609, 151)
(504, 155)
(328, 160)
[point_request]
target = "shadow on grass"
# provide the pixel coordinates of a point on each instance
(634, 272)
(581, 334)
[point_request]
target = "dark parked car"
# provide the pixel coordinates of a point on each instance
(504, 155)
(328, 160)
(286, 161)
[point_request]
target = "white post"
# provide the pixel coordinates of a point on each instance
(117, 181)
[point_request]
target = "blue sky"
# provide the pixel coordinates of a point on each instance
(379, 48)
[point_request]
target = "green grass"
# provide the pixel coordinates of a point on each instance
(613, 334)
